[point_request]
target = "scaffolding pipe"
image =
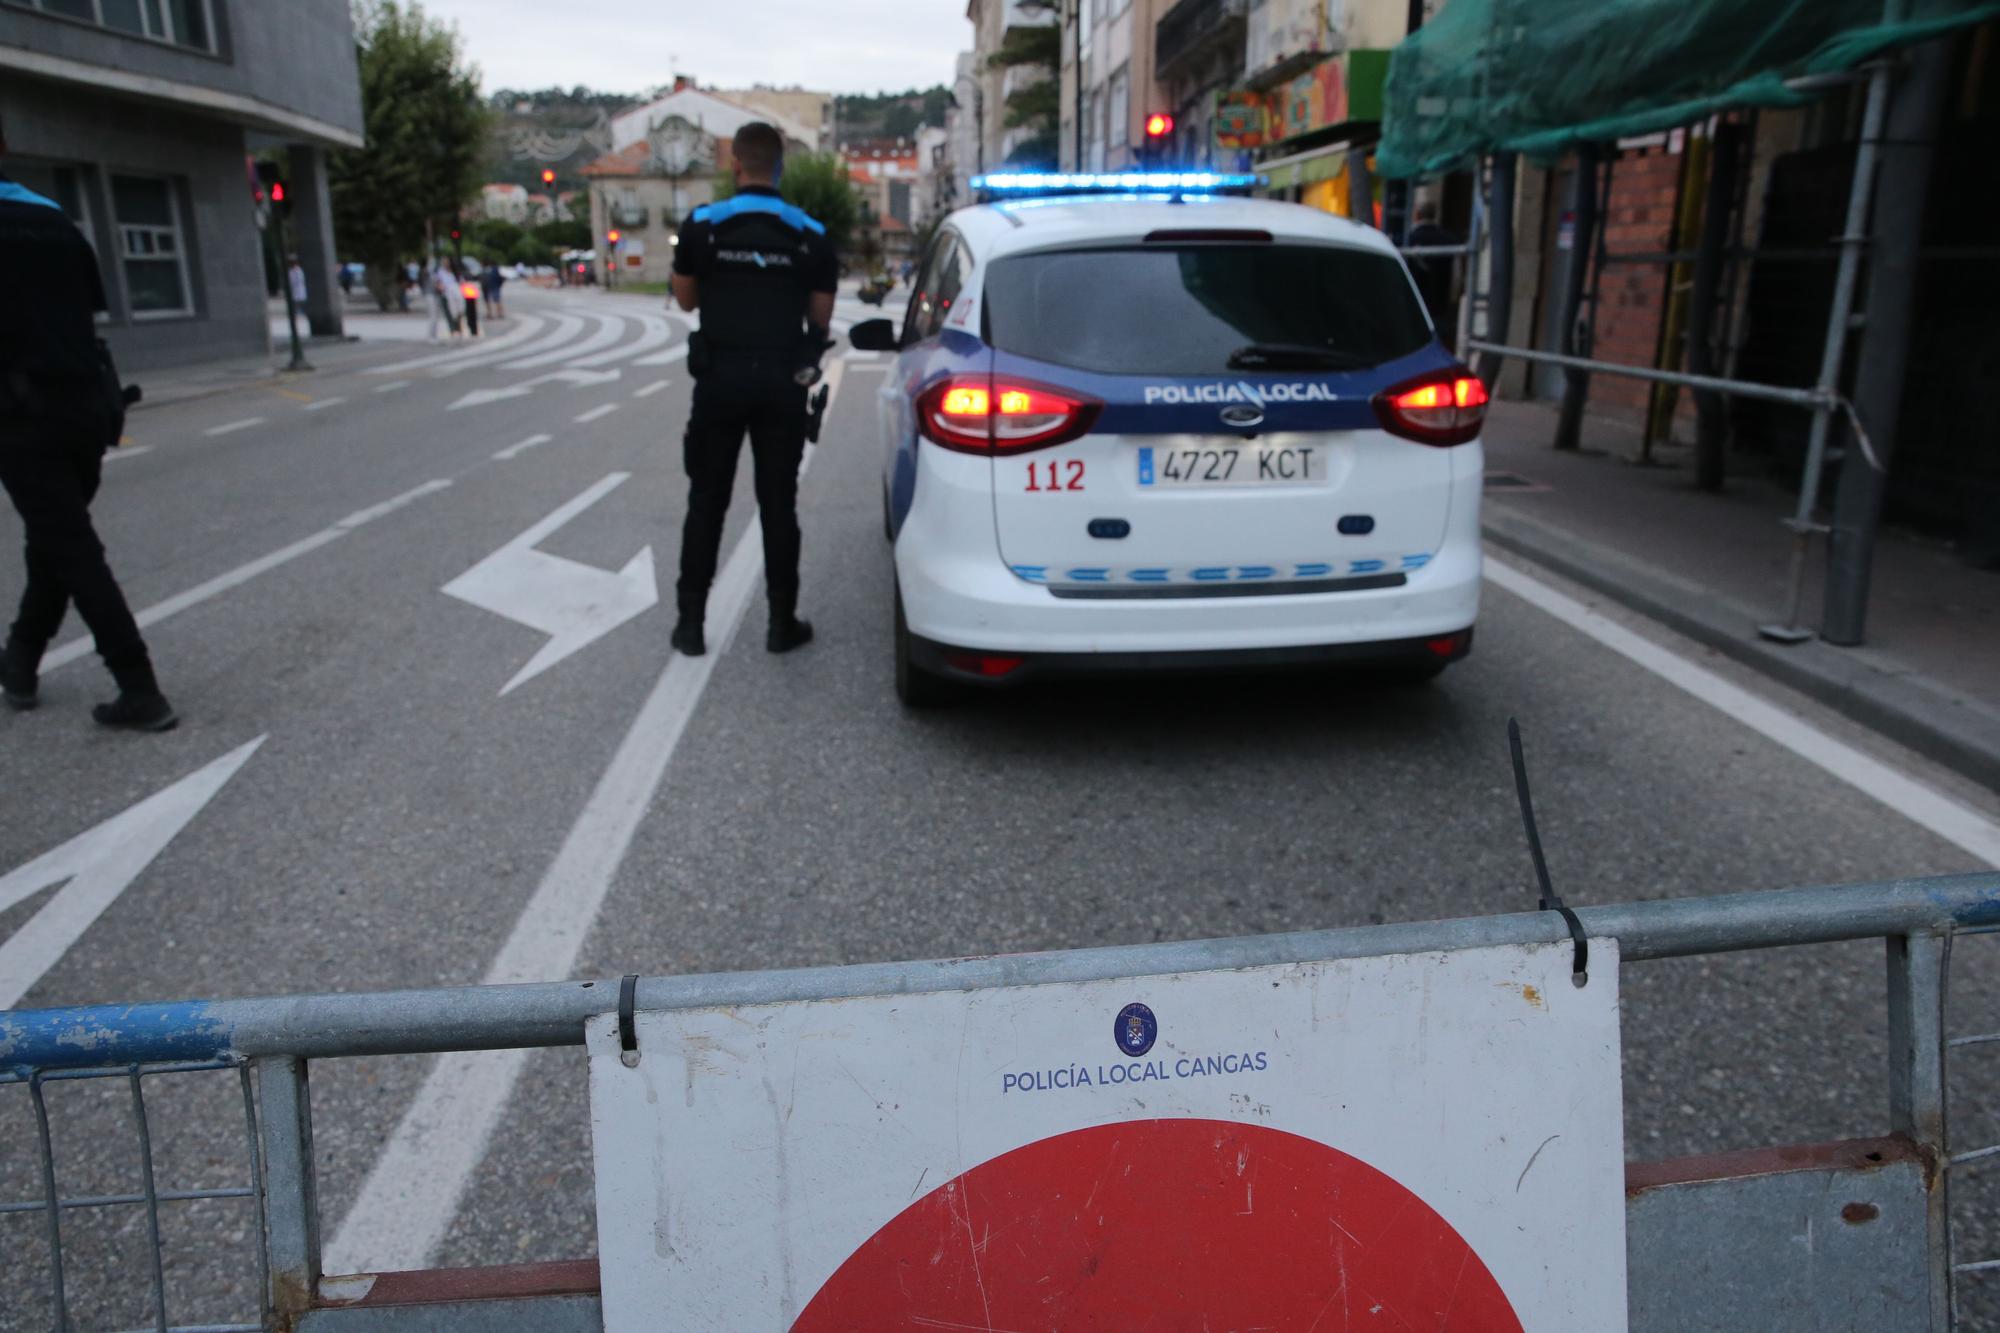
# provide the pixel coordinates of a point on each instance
(1711, 423)
(1902, 188)
(1500, 264)
(1583, 229)
(1853, 240)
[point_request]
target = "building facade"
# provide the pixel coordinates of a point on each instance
(1109, 89)
(139, 119)
(990, 86)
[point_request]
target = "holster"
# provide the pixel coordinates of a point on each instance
(700, 357)
(816, 413)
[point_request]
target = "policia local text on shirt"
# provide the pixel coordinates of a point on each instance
(762, 274)
(61, 407)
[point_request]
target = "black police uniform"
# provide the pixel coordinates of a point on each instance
(57, 417)
(758, 259)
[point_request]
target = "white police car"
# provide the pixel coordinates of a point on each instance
(1160, 428)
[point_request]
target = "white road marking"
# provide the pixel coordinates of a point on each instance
(480, 397)
(610, 329)
(675, 353)
(98, 864)
(513, 450)
(242, 574)
(594, 413)
(573, 603)
(564, 330)
(230, 428)
(413, 1192)
(651, 389)
(505, 345)
(1918, 802)
(654, 333)
(128, 451)
(321, 404)
(392, 386)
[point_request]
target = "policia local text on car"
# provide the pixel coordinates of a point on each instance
(61, 407)
(762, 274)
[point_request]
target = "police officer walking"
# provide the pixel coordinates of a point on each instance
(762, 274)
(61, 407)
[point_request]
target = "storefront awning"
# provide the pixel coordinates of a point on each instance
(1538, 76)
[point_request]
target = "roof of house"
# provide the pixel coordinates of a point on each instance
(715, 115)
(627, 161)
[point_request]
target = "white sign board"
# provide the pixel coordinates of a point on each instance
(1423, 1141)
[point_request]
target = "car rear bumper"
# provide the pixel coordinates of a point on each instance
(990, 670)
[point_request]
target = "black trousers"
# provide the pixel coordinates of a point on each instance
(736, 395)
(52, 477)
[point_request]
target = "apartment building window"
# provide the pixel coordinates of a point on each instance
(150, 246)
(1085, 15)
(189, 23)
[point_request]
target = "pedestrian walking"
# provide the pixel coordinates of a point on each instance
(762, 274)
(447, 302)
(1435, 274)
(61, 407)
(295, 274)
(491, 280)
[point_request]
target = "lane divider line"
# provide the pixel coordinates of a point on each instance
(242, 574)
(594, 413)
(1916, 801)
(128, 451)
(321, 404)
(231, 427)
(651, 389)
(392, 386)
(515, 450)
(413, 1191)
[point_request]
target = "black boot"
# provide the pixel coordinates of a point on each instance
(687, 638)
(787, 632)
(18, 683)
(139, 706)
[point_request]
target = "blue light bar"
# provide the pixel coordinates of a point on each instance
(1094, 182)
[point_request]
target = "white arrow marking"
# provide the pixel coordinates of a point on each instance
(514, 450)
(574, 604)
(654, 333)
(610, 329)
(99, 864)
(479, 397)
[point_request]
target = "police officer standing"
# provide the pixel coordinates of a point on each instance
(61, 407)
(762, 274)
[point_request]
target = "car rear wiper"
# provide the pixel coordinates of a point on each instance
(1293, 356)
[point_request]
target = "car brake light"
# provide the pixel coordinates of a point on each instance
(976, 415)
(990, 665)
(1445, 408)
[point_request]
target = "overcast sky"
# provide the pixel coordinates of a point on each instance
(843, 46)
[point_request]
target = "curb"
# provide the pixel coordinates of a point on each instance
(1958, 731)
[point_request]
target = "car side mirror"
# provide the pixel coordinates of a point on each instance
(873, 335)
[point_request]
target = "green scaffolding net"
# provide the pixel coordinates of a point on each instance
(1539, 76)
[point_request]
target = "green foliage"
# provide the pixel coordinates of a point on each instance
(426, 134)
(560, 236)
(1036, 154)
(531, 251)
(891, 115)
(1036, 106)
(818, 183)
(1029, 46)
(497, 234)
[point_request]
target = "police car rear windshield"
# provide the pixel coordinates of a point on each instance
(1206, 308)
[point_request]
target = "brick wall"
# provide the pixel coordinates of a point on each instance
(1640, 218)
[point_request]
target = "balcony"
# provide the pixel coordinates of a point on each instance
(627, 215)
(1025, 14)
(1193, 29)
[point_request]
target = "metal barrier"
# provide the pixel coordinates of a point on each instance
(269, 1044)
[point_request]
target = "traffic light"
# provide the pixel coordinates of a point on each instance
(271, 183)
(1159, 125)
(548, 176)
(614, 235)
(454, 233)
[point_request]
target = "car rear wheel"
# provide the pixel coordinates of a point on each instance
(916, 687)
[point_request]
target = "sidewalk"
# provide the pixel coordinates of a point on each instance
(1713, 567)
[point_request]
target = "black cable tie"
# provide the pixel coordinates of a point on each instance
(628, 1031)
(1550, 900)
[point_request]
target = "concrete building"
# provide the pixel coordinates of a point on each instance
(1198, 50)
(710, 113)
(797, 106)
(935, 184)
(885, 174)
(1108, 85)
(138, 119)
(963, 148)
(644, 190)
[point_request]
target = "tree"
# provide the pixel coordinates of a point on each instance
(426, 135)
(1036, 106)
(818, 183)
(560, 235)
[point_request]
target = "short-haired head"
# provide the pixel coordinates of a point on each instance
(759, 151)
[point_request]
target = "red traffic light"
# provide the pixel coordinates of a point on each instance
(454, 233)
(548, 177)
(614, 236)
(1159, 125)
(277, 192)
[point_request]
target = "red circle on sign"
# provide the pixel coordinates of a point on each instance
(1174, 1224)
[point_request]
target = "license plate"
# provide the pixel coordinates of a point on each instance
(1233, 465)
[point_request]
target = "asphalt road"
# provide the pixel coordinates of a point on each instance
(401, 811)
